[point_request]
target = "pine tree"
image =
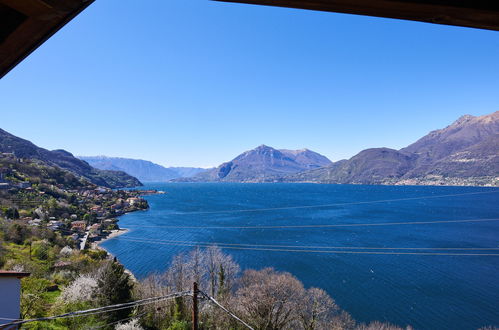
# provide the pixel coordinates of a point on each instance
(115, 287)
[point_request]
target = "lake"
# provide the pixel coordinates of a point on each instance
(390, 253)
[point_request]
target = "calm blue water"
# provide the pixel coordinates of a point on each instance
(426, 291)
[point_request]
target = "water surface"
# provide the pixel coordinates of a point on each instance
(426, 291)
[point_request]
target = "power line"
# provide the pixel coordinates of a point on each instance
(119, 321)
(317, 247)
(320, 251)
(211, 299)
(335, 204)
(99, 310)
(320, 225)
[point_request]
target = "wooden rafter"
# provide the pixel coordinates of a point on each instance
(482, 14)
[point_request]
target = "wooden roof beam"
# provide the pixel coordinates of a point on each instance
(482, 14)
(26, 24)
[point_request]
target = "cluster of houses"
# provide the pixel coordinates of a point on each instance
(82, 232)
(102, 204)
(77, 229)
(9, 185)
(4, 184)
(20, 185)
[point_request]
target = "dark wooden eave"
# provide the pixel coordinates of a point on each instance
(482, 14)
(26, 24)
(9, 273)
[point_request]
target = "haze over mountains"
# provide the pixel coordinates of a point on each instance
(65, 160)
(143, 170)
(464, 153)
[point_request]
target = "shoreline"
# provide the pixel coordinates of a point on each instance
(114, 233)
(118, 232)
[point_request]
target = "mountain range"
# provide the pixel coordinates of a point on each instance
(25, 149)
(263, 164)
(464, 153)
(143, 170)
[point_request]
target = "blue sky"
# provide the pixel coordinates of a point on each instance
(196, 82)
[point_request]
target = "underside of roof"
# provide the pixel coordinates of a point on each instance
(9, 273)
(26, 24)
(482, 14)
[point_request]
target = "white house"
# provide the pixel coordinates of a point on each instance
(10, 299)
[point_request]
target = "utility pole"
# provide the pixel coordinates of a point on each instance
(195, 306)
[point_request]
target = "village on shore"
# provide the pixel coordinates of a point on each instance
(35, 195)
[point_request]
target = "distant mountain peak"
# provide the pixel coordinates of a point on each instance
(264, 163)
(263, 148)
(463, 120)
(463, 153)
(470, 119)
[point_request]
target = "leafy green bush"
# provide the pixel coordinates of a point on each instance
(41, 250)
(96, 254)
(179, 325)
(34, 296)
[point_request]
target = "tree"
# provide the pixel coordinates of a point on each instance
(376, 325)
(33, 296)
(194, 266)
(221, 270)
(12, 213)
(52, 205)
(176, 275)
(269, 299)
(158, 315)
(83, 289)
(17, 233)
(3, 251)
(266, 299)
(87, 218)
(179, 325)
(115, 287)
(214, 271)
(131, 325)
(317, 310)
(342, 321)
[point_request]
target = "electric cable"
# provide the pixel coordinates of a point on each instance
(211, 299)
(319, 225)
(321, 251)
(317, 247)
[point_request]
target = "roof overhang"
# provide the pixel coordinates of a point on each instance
(8, 273)
(26, 24)
(482, 14)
